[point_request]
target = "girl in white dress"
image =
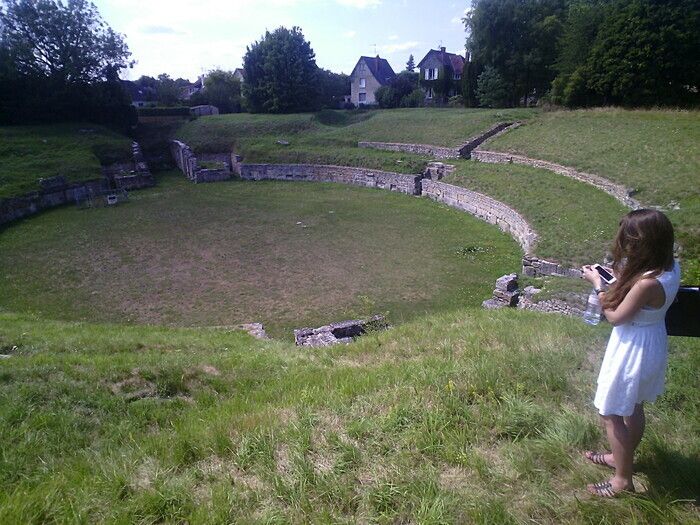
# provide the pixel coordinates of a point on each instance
(634, 365)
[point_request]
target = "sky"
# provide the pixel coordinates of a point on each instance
(186, 38)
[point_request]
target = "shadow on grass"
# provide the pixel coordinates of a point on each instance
(672, 473)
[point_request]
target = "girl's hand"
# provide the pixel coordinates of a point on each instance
(592, 276)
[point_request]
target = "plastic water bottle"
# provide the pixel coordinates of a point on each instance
(593, 310)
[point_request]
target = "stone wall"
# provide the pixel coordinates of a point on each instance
(621, 193)
(57, 191)
(410, 184)
(483, 207)
(535, 267)
(466, 149)
(552, 306)
(438, 152)
(186, 161)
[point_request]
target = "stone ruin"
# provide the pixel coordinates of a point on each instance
(254, 329)
(336, 333)
(506, 293)
(437, 170)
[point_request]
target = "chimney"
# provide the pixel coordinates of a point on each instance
(443, 49)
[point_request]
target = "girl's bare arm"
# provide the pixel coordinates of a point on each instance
(643, 293)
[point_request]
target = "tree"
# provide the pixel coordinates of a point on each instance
(630, 52)
(334, 87)
(646, 53)
(517, 38)
(64, 64)
(281, 74)
(223, 90)
(168, 90)
(411, 64)
(398, 92)
(492, 90)
(67, 43)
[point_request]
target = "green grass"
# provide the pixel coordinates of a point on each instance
(285, 254)
(76, 151)
(331, 137)
(655, 152)
(575, 221)
(469, 417)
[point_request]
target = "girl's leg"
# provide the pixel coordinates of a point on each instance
(623, 445)
(635, 425)
(635, 429)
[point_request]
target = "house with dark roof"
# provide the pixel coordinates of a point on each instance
(369, 75)
(441, 75)
(188, 90)
(239, 74)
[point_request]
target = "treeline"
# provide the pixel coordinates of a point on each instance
(220, 88)
(60, 62)
(584, 52)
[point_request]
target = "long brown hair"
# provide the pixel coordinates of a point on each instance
(644, 243)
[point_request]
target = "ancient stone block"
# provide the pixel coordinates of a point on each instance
(507, 283)
(336, 333)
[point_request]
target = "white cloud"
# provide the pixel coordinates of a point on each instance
(394, 48)
(156, 29)
(393, 37)
(349, 34)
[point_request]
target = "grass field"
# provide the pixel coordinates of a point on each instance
(285, 254)
(28, 153)
(469, 417)
(455, 415)
(560, 209)
(331, 137)
(657, 153)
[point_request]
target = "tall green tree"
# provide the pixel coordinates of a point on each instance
(281, 75)
(411, 64)
(333, 88)
(65, 42)
(629, 52)
(168, 90)
(517, 38)
(647, 52)
(223, 90)
(64, 64)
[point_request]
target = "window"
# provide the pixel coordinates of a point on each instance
(430, 92)
(363, 83)
(431, 73)
(363, 97)
(458, 76)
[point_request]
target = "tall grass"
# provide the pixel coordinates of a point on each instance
(474, 416)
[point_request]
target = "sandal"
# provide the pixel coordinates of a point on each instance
(597, 458)
(604, 489)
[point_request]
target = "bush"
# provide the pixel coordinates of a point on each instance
(414, 99)
(456, 102)
(386, 97)
(491, 89)
(182, 111)
(348, 105)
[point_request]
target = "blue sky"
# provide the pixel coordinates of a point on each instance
(184, 38)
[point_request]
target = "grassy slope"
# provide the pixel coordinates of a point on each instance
(331, 137)
(655, 152)
(28, 153)
(475, 416)
(236, 253)
(559, 209)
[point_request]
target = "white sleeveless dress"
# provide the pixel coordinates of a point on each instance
(635, 359)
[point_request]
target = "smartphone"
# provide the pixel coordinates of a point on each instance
(604, 274)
